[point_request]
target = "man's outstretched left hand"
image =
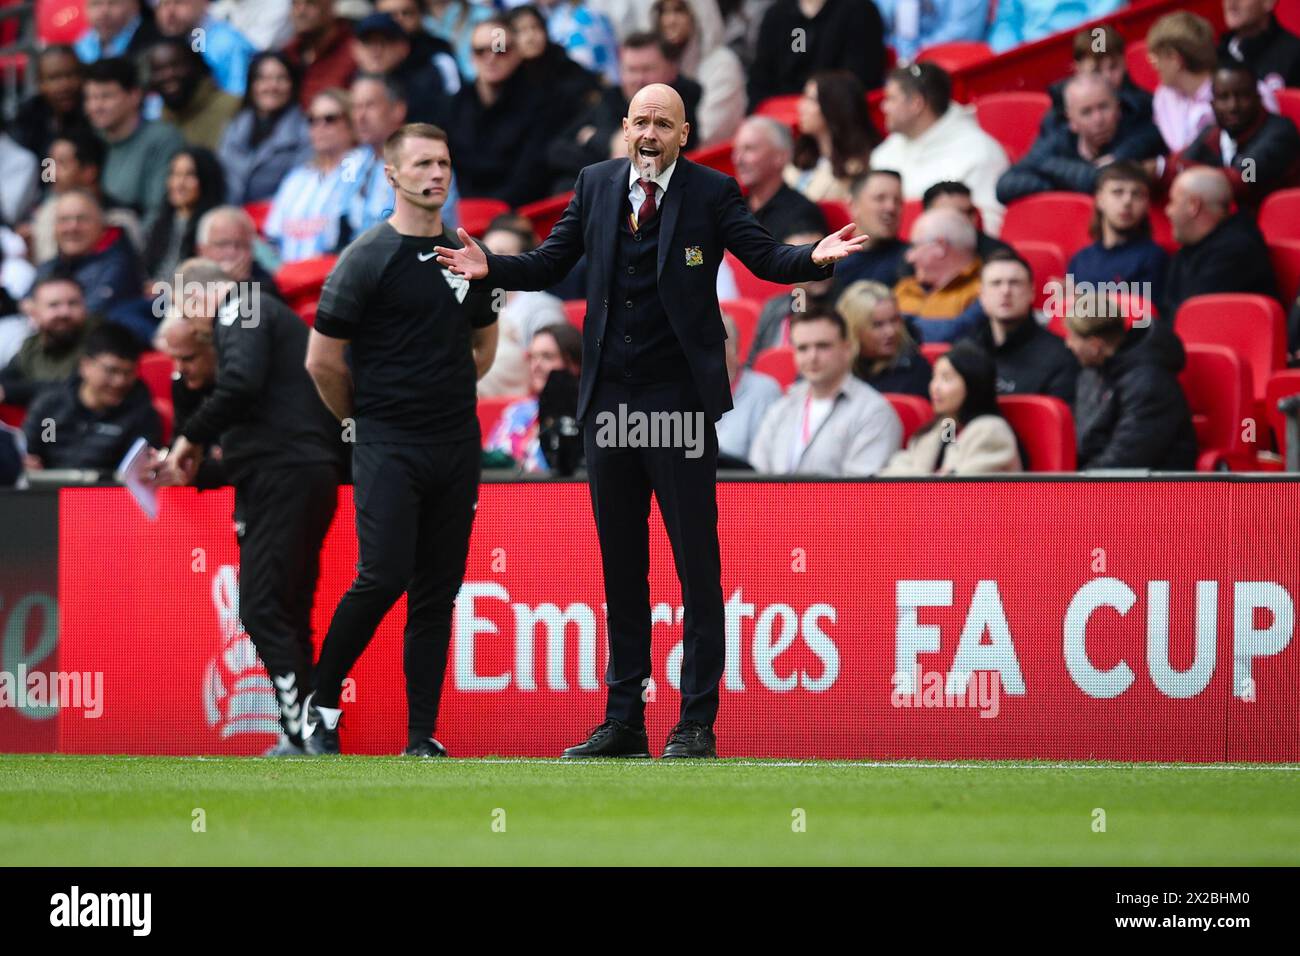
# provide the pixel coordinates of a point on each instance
(837, 245)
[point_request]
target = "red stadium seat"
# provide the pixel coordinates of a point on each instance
(913, 411)
(545, 213)
(12, 414)
(912, 208)
(1288, 104)
(307, 311)
(1012, 119)
(874, 98)
(749, 285)
(60, 21)
(1140, 70)
(1253, 326)
(932, 350)
(783, 108)
(299, 281)
(744, 312)
(490, 408)
(837, 214)
(167, 415)
(576, 310)
(1059, 217)
(955, 55)
(476, 214)
(258, 211)
(779, 363)
(1047, 262)
(1045, 428)
(1279, 216)
(1217, 385)
(1285, 256)
(716, 157)
(1162, 230)
(156, 372)
(1288, 14)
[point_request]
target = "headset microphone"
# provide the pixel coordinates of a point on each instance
(413, 192)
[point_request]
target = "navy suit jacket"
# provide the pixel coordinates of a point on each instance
(703, 214)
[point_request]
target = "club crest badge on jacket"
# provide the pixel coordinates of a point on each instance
(694, 256)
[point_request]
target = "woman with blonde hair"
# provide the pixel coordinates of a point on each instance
(303, 221)
(887, 358)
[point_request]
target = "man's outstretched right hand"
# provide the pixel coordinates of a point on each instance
(470, 262)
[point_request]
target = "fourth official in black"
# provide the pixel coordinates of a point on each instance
(281, 450)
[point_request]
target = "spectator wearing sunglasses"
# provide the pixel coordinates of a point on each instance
(304, 218)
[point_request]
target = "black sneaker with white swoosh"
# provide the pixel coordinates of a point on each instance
(317, 739)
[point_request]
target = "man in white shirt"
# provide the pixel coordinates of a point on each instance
(933, 140)
(266, 23)
(752, 394)
(830, 423)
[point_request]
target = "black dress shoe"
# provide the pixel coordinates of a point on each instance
(613, 738)
(690, 738)
(428, 747)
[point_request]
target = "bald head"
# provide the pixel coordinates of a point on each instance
(660, 95)
(1207, 183)
(655, 128)
(1199, 199)
(1083, 84)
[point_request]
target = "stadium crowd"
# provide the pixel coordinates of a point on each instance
(260, 148)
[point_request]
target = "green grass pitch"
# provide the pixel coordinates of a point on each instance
(64, 810)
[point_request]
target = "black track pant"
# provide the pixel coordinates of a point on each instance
(415, 509)
(281, 518)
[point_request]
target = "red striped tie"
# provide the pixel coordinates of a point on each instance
(647, 210)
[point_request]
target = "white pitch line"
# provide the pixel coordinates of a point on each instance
(732, 762)
(909, 764)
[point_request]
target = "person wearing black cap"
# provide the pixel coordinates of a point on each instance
(381, 47)
(968, 434)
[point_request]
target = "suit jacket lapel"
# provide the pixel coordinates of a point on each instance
(672, 204)
(610, 216)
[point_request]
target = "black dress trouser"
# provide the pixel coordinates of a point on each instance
(622, 480)
(281, 518)
(415, 509)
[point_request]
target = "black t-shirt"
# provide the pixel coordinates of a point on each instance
(409, 322)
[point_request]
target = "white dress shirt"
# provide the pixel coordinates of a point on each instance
(636, 194)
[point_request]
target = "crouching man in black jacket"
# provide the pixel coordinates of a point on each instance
(282, 451)
(1129, 409)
